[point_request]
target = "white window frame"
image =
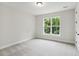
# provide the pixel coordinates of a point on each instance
(51, 28)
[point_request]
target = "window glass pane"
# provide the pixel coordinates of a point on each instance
(55, 30)
(56, 21)
(47, 30)
(47, 22)
(53, 21)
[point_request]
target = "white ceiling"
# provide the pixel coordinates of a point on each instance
(47, 8)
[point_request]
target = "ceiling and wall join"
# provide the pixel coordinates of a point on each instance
(49, 7)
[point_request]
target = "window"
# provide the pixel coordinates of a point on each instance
(51, 25)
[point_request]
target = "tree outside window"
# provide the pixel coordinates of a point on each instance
(51, 25)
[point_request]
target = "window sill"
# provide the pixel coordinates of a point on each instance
(52, 34)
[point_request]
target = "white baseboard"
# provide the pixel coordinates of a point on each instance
(14, 43)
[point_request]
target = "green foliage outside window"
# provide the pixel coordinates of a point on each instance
(55, 21)
(52, 25)
(47, 30)
(47, 24)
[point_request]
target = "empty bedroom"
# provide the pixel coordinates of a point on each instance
(39, 29)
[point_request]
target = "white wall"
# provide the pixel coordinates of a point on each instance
(67, 26)
(15, 26)
(77, 25)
